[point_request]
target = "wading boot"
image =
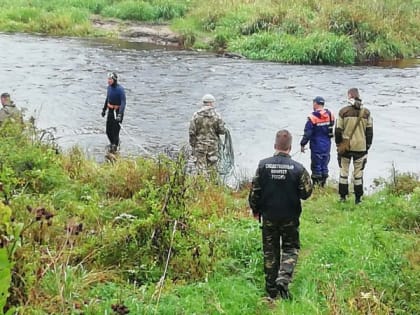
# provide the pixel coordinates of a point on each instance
(113, 148)
(284, 292)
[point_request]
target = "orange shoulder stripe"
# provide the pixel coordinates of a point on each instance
(316, 120)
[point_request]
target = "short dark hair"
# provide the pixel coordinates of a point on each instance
(283, 140)
(354, 93)
(5, 95)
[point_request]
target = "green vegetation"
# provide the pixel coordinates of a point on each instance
(77, 237)
(300, 31)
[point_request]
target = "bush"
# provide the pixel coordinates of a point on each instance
(403, 183)
(318, 48)
(383, 49)
(146, 10)
(131, 10)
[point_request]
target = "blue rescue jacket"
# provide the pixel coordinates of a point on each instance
(317, 131)
(115, 95)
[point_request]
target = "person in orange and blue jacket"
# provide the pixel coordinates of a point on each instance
(318, 132)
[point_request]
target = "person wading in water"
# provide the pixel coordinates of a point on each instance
(115, 104)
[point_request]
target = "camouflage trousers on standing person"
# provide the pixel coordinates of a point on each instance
(206, 161)
(281, 248)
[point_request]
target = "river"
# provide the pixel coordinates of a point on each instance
(62, 83)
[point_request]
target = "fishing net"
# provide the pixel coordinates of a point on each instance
(226, 163)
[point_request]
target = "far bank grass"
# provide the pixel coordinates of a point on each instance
(300, 31)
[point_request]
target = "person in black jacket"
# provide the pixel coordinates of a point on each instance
(115, 104)
(277, 188)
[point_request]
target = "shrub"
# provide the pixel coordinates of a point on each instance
(318, 48)
(383, 49)
(403, 183)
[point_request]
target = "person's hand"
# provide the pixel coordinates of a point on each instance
(302, 148)
(119, 118)
(103, 113)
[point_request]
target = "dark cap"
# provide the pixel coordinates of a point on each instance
(319, 100)
(5, 95)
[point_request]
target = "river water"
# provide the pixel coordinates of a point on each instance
(62, 83)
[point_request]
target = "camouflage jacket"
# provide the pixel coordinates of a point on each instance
(346, 122)
(278, 186)
(10, 111)
(205, 127)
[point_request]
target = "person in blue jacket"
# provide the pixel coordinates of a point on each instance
(115, 104)
(318, 132)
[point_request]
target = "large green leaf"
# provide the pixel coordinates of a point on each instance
(5, 278)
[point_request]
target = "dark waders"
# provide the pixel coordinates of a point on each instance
(113, 130)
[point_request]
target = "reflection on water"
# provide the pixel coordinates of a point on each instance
(116, 43)
(403, 63)
(62, 82)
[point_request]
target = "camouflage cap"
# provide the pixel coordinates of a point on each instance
(208, 98)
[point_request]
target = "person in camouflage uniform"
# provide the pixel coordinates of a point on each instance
(205, 128)
(360, 143)
(9, 109)
(277, 189)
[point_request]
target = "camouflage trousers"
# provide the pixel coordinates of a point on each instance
(281, 248)
(205, 162)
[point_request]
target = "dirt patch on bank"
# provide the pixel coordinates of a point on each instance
(159, 34)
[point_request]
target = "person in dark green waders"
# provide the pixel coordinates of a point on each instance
(115, 104)
(277, 188)
(9, 110)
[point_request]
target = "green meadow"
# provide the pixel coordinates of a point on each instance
(141, 236)
(300, 31)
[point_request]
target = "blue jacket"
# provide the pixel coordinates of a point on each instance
(115, 95)
(317, 131)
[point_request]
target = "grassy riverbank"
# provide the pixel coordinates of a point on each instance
(301, 31)
(77, 237)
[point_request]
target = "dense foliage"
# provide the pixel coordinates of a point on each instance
(300, 31)
(142, 236)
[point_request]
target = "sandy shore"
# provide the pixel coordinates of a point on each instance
(159, 34)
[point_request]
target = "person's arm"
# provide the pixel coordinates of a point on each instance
(106, 101)
(192, 133)
(369, 133)
(305, 185)
(105, 104)
(307, 133)
(254, 197)
(122, 97)
(339, 129)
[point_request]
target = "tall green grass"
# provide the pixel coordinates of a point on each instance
(146, 10)
(359, 30)
(317, 48)
(72, 17)
(112, 227)
(349, 31)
